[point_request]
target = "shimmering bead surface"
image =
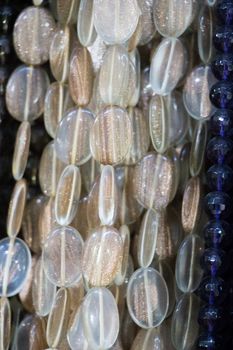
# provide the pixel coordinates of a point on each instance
(65, 12)
(213, 289)
(191, 204)
(31, 325)
(218, 204)
(221, 123)
(219, 150)
(222, 67)
(147, 22)
(222, 39)
(221, 94)
(218, 233)
(212, 316)
(205, 33)
(76, 337)
(220, 177)
(224, 11)
(85, 23)
(5, 322)
(214, 260)
(198, 148)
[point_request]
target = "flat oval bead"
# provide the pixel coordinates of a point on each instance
(148, 26)
(67, 195)
(25, 295)
(205, 33)
(47, 220)
(191, 204)
(111, 135)
(198, 148)
(31, 333)
(76, 337)
(196, 92)
(116, 21)
(5, 323)
(85, 23)
(125, 236)
(81, 76)
(102, 256)
(62, 254)
(173, 18)
(58, 318)
(168, 65)
(72, 138)
(147, 298)
(93, 219)
(135, 58)
(65, 12)
(25, 92)
(21, 150)
(33, 32)
(186, 313)
(16, 208)
(43, 291)
(100, 318)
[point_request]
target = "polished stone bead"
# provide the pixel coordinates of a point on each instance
(221, 94)
(218, 233)
(222, 67)
(220, 178)
(218, 204)
(224, 11)
(212, 317)
(209, 342)
(7, 18)
(221, 122)
(214, 261)
(220, 150)
(213, 290)
(223, 39)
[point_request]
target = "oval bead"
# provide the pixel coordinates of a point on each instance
(5, 323)
(16, 208)
(47, 220)
(31, 333)
(25, 92)
(62, 255)
(116, 21)
(89, 172)
(76, 337)
(33, 32)
(191, 205)
(198, 148)
(125, 236)
(147, 298)
(148, 27)
(185, 314)
(72, 138)
(168, 66)
(25, 295)
(81, 76)
(205, 33)
(97, 51)
(85, 23)
(67, 195)
(111, 135)
(102, 256)
(21, 150)
(66, 12)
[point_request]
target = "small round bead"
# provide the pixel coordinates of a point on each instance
(212, 317)
(218, 204)
(221, 94)
(220, 178)
(218, 233)
(214, 260)
(209, 341)
(7, 19)
(222, 67)
(213, 290)
(224, 11)
(220, 150)
(221, 122)
(223, 39)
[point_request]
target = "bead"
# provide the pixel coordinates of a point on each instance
(4, 75)
(15, 265)
(213, 290)
(147, 298)
(184, 165)
(47, 221)
(218, 233)
(85, 23)
(5, 49)
(147, 22)
(221, 122)
(209, 341)
(220, 178)
(25, 92)
(62, 254)
(97, 51)
(125, 236)
(222, 67)
(218, 204)
(219, 150)
(168, 65)
(7, 19)
(5, 322)
(224, 11)
(25, 295)
(214, 261)
(31, 325)
(221, 94)
(198, 148)
(76, 337)
(89, 172)
(212, 317)
(65, 12)
(205, 33)
(191, 204)
(32, 35)
(222, 39)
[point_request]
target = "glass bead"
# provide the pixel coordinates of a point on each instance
(31, 333)
(93, 219)
(222, 67)
(81, 76)
(15, 265)
(50, 170)
(97, 51)
(72, 138)
(184, 166)
(147, 22)
(147, 298)
(224, 11)
(213, 290)
(209, 341)
(43, 291)
(62, 255)
(5, 323)
(220, 178)
(7, 18)
(21, 150)
(25, 295)
(198, 148)
(85, 23)
(205, 34)
(173, 18)
(219, 150)
(76, 337)
(66, 12)
(221, 94)
(191, 205)
(168, 65)
(6, 49)
(223, 39)
(188, 270)
(33, 32)
(102, 256)
(16, 208)
(77, 293)
(218, 233)
(212, 317)
(125, 236)
(218, 204)
(116, 21)
(196, 92)
(47, 220)
(185, 314)
(89, 172)
(100, 318)
(221, 122)
(58, 318)
(111, 135)
(67, 195)
(25, 92)
(136, 75)
(214, 261)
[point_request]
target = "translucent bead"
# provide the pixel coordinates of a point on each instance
(67, 195)
(85, 23)
(171, 17)
(132, 101)
(196, 92)
(191, 205)
(62, 254)
(220, 178)
(219, 150)
(80, 222)
(92, 205)
(43, 291)
(125, 236)
(148, 27)
(25, 92)
(147, 298)
(59, 53)
(5, 323)
(31, 333)
(198, 148)
(21, 150)
(33, 32)
(25, 295)
(66, 12)
(77, 293)
(214, 260)
(221, 94)
(222, 38)
(58, 318)
(15, 265)
(47, 220)
(205, 33)
(222, 67)
(116, 21)
(168, 65)
(224, 10)
(111, 135)
(185, 314)
(76, 337)
(89, 172)
(207, 340)
(213, 317)
(81, 76)
(97, 51)
(221, 122)
(50, 170)
(213, 288)
(102, 256)
(72, 138)
(218, 204)
(218, 233)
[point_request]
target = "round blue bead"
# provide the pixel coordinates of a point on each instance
(220, 178)
(222, 67)
(221, 94)
(218, 233)
(220, 150)
(213, 290)
(224, 11)
(209, 342)
(214, 261)
(223, 38)
(218, 204)
(221, 122)
(212, 317)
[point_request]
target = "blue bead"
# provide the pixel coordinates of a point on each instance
(209, 342)
(214, 261)
(223, 38)
(222, 67)
(218, 233)
(220, 178)
(221, 94)
(224, 11)
(212, 317)
(220, 150)
(218, 204)
(213, 290)
(221, 122)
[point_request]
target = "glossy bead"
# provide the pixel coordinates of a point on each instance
(218, 204)
(5, 322)
(147, 298)
(148, 28)
(97, 51)
(15, 265)
(205, 33)
(85, 23)
(125, 236)
(212, 317)
(221, 122)
(47, 221)
(65, 12)
(220, 178)
(31, 333)
(7, 18)
(223, 39)
(213, 290)
(219, 150)
(222, 67)
(218, 233)
(224, 10)
(76, 337)
(191, 204)
(209, 341)
(221, 94)
(214, 261)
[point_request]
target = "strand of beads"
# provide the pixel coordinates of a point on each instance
(219, 180)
